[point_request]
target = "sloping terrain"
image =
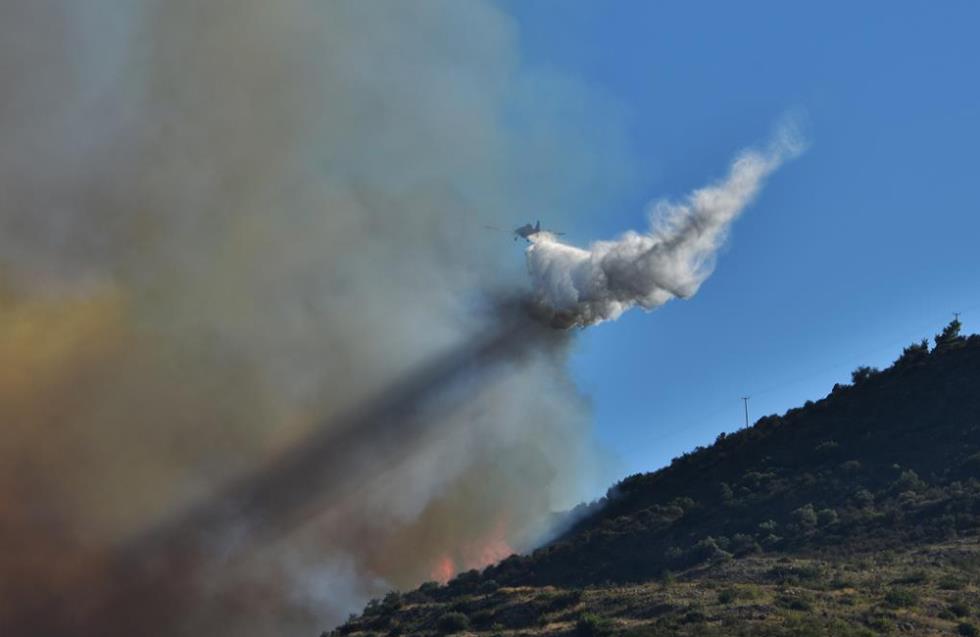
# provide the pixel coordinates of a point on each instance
(857, 514)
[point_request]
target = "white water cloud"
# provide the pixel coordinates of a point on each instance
(670, 260)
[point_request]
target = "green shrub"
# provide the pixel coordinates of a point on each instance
(795, 603)
(707, 549)
(453, 622)
(951, 583)
(468, 580)
(428, 589)
(863, 498)
(771, 540)
(743, 544)
(694, 616)
(826, 517)
(882, 625)
(685, 504)
(750, 591)
(792, 574)
(391, 602)
(915, 577)
(915, 353)
(908, 480)
(949, 336)
(725, 492)
(592, 625)
(768, 526)
(901, 598)
(805, 516)
(959, 609)
(482, 617)
(462, 604)
(827, 447)
(863, 374)
(727, 596)
(841, 581)
(560, 601)
(968, 630)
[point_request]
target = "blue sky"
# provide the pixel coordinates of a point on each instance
(867, 242)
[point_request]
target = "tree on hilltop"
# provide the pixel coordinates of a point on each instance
(949, 336)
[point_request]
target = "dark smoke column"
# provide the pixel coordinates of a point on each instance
(155, 575)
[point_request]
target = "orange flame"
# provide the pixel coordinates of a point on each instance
(474, 555)
(444, 570)
(489, 553)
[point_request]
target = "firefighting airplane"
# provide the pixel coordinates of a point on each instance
(527, 231)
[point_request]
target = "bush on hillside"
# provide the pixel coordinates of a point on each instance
(862, 374)
(914, 353)
(949, 336)
(968, 630)
(454, 622)
(592, 625)
(805, 516)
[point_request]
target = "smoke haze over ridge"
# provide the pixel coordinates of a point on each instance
(225, 223)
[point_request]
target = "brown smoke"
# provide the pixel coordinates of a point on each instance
(226, 223)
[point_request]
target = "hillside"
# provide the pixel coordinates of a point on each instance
(857, 514)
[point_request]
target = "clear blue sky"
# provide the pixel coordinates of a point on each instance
(866, 243)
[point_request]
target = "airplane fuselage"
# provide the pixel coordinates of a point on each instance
(527, 231)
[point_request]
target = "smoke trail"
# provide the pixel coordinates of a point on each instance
(671, 260)
(225, 223)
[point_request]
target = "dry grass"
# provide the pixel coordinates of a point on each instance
(930, 590)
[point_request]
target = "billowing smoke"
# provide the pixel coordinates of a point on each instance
(225, 224)
(671, 260)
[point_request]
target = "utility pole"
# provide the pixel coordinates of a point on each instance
(745, 400)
